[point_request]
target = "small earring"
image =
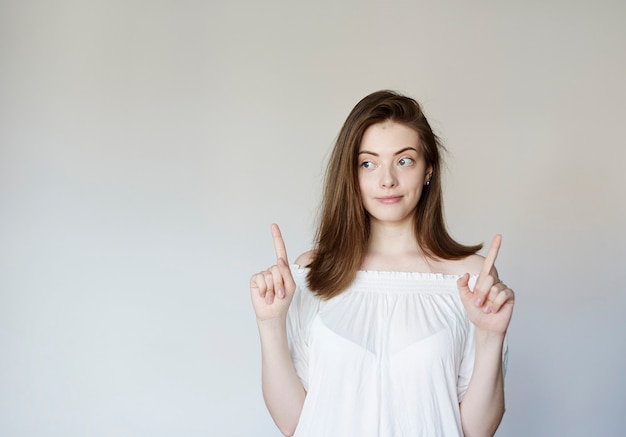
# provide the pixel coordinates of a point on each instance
(428, 182)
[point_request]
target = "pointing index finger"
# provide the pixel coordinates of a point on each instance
(279, 244)
(490, 259)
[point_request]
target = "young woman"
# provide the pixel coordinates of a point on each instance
(388, 327)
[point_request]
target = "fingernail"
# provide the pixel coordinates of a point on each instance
(487, 309)
(479, 302)
(280, 294)
(269, 298)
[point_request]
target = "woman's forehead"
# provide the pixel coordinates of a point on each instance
(389, 136)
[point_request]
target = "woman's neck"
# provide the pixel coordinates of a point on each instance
(394, 247)
(392, 240)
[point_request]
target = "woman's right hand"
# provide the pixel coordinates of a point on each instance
(272, 289)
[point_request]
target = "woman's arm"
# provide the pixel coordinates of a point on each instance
(489, 307)
(482, 407)
(282, 390)
(272, 291)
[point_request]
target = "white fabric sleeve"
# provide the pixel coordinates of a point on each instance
(302, 311)
(467, 362)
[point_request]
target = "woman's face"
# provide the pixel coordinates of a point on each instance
(392, 172)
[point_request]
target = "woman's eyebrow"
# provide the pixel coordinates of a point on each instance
(397, 153)
(405, 149)
(365, 152)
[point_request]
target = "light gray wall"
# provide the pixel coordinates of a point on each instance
(145, 148)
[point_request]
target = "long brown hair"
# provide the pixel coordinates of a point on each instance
(343, 231)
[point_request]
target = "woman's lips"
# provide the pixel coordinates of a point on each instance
(389, 199)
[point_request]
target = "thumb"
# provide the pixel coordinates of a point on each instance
(463, 285)
(288, 280)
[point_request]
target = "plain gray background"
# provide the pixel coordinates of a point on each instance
(146, 146)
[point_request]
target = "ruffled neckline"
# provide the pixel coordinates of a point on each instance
(389, 274)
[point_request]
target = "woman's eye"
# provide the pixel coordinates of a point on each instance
(405, 161)
(367, 164)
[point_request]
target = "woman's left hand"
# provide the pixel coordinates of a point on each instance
(490, 305)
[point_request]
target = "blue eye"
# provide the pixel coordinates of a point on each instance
(405, 161)
(367, 164)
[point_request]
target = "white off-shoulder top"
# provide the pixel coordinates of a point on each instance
(389, 357)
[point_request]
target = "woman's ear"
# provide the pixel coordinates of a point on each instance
(429, 175)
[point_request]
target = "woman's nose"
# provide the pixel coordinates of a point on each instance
(388, 178)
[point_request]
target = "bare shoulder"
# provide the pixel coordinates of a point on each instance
(471, 264)
(305, 259)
